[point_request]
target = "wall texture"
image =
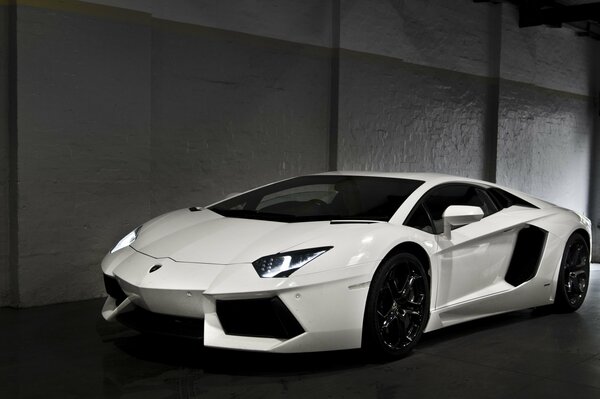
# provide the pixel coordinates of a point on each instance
(84, 144)
(415, 89)
(306, 21)
(453, 35)
(595, 159)
(5, 274)
(231, 111)
(139, 115)
(396, 116)
(544, 143)
(129, 108)
(546, 115)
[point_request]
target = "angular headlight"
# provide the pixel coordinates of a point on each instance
(284, 264)
(126, 241)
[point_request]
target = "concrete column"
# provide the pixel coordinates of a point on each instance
(5, 273)
(594, 207)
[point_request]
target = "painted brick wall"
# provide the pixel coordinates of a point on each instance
(545, 136)
(595, 161)
(396, 116)
(123, 117)
(551, 58)
(231, 111)
(84, 145)
(453, 35)
(306, 21)
(544, 143)
(4, 159)
(412, 96)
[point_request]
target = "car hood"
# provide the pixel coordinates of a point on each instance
(207, 237)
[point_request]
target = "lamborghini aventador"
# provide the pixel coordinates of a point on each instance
(346, 260)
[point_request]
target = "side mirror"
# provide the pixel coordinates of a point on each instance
(459, 215)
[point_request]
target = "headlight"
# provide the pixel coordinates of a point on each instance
(284, 264)
(126, 241)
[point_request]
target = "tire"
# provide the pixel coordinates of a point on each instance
(397, 308)
(574, 275)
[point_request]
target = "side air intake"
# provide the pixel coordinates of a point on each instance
(526, 256)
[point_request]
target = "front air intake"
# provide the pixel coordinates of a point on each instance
(153, 323)
(113, 289)
(265, 317)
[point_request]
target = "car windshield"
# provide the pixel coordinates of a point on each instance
(322, 197)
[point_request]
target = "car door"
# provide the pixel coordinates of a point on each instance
(473, 261)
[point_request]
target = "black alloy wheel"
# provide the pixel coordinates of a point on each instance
(574, 275)
(397, 307)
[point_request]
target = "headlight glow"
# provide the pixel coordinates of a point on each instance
(127, 240)
(284, 264)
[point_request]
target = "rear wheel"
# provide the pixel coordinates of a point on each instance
(397, 307)
(574, 275)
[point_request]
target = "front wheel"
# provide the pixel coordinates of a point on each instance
(397, 307)
(574, 275)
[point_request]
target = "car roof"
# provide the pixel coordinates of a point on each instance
(433, 178)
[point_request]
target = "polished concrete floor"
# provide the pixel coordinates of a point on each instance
(67, 351)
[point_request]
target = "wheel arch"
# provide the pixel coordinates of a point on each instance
(585, 235)
(415, 249)
(406, 247)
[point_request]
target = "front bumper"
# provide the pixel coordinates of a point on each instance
(236, 308)
(143, 320)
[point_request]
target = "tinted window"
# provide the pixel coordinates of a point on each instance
(505, 199)
(487, 204)
(438, 199)
(419, 219)
(310, 198)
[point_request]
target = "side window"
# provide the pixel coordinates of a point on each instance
(419, 219)
(505, 200)
(488, 205)
(441, 198)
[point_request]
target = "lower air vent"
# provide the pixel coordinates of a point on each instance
(153, 323)
(113, 289)
(267, 317)
(526, 255)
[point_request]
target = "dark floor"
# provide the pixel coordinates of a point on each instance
(67, 351)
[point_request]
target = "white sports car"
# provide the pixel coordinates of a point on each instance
(346, 260)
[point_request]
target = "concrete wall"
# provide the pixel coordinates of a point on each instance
(453, 35)
(232, 111)
(396, 116)
(4, 157)
(413, 91)
(306, 21)
(546, 117)
(595, 161)
(123, 116)
(544, 143)
(84, 144)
